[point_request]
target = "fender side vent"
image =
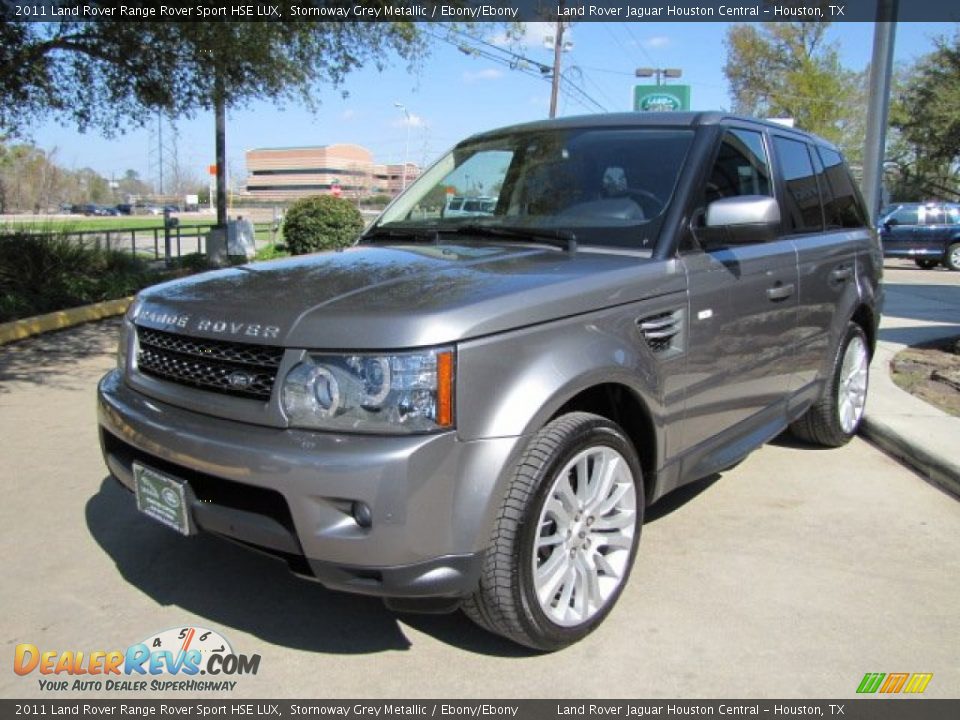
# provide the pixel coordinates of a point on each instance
(663, 332)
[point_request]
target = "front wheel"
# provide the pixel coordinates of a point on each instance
(566, 535)
(836, 416)
(952, 258)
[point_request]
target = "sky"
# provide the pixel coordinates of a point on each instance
(453, 95)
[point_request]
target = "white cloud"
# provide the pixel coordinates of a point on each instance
(656, 42)
(481, 75)
(529, 35)
(348, 114)
(409, 119)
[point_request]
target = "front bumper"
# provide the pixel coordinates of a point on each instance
(291, 492)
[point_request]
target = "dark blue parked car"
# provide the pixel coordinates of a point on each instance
(929, 233)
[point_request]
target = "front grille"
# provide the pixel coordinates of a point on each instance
(216, 365)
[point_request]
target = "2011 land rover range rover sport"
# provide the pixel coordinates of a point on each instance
(474, 411)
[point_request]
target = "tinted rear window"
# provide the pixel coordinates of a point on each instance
(803, 213)
(842, 207)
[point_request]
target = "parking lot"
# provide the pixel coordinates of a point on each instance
(791, 575)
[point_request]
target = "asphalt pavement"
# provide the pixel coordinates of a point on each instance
(789, 576)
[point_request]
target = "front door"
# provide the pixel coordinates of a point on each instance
(743, 318)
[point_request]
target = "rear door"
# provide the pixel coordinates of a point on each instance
(822, 215)
(933, 232)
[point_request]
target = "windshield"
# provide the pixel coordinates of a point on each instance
(608, 186)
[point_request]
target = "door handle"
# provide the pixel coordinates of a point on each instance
(780, 292)
(841, 274)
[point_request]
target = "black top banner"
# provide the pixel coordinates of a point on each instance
(478, 11)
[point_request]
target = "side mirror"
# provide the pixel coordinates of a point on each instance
(742, 220)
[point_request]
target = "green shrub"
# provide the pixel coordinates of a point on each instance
(272, 252)
(321, 222)
(44, 274)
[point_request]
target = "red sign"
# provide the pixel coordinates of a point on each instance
(212, 169)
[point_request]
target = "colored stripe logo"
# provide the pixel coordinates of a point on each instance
(891, 683)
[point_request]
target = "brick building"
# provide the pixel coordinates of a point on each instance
(294, 172)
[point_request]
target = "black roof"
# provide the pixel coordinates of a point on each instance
(646, 119)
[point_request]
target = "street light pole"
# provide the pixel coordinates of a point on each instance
(884, 34)
(659, 73)
(406, 146)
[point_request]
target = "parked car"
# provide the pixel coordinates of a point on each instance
(474, 412)
(928, 233)
(124, 209)
(459, 206)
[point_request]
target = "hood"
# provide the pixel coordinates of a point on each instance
(400, 296)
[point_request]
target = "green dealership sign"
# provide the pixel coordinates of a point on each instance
(661, 98)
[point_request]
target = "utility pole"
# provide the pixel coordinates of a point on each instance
(221, 149)
(160, 149)
(557, 54)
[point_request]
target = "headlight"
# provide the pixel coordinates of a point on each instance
(405, 392)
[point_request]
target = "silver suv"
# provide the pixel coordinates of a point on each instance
(474, 411)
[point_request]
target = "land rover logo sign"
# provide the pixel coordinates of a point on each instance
(240, 380)
(170, 497)
(660, 98)
(660, 103)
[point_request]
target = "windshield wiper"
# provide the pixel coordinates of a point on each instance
(558, 237)
(428, 234)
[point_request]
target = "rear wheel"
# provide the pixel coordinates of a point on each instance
(836, 416)
(926, 263)
(566, 535)
(952, 258)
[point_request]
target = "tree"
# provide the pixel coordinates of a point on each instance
(108, 74)
(30, 180)
(925, 115)
(131, 185)
(790, 70)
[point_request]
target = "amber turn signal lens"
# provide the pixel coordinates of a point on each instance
(445, 389)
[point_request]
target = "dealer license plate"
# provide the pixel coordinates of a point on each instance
(164, 498)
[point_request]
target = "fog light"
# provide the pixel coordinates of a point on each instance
(362, 515)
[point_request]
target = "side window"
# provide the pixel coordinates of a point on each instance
(908, 215)
(934, 216)
(843, 207)
(741, 168)
(952, 215)
(803, 211)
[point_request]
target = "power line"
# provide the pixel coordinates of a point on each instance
(471, 45)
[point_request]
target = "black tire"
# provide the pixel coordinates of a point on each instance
(506, 601)
(926, 264)
(951, 259)
(822, 423)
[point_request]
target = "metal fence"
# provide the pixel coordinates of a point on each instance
(151, 243)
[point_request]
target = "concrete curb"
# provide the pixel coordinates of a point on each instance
(21, 329)
(932, 465)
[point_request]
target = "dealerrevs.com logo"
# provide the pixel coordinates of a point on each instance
(172, 660)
